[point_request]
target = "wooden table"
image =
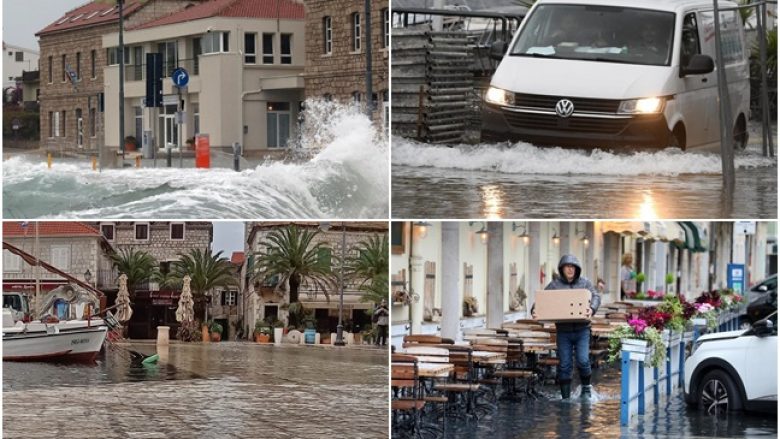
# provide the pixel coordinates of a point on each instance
(487, 357)
(435, 370)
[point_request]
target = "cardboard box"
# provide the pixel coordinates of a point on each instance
(562, 305)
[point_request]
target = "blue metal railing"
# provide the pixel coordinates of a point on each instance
(634, 374)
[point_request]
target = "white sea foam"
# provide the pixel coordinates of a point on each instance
(346, 178)
(524, 158)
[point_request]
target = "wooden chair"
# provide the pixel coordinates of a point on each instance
(406, 404)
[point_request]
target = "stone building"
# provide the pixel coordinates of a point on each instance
(72, 60)
(336, 52)
(226, 307)
(263, 303)
(245, 60)
(165, 241)
(76, 248)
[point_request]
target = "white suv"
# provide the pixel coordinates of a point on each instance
(734, 370)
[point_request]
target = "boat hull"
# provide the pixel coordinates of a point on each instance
(72, 346)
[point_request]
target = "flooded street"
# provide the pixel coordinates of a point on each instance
(346, 177)
(215, 390)
(524, 181)
(549, 417)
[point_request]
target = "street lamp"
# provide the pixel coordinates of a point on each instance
(340, 328)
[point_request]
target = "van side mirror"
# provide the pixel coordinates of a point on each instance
(498, 49)
(698, 65)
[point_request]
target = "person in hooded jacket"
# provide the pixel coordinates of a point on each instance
(573, 336)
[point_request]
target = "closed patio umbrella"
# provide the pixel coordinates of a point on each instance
(185, 312)
(123, 310)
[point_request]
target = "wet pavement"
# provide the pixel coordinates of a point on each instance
(524, 181)
(550, 417)
(215, 390)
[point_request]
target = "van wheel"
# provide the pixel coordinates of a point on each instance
(718, 394)
(740, 133)
(678, 137)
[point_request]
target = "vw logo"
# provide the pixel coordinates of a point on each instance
(564, 108)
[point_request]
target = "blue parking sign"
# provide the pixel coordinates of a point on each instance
(735, 277)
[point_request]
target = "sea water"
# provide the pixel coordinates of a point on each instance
(521, 180)
(345, 176)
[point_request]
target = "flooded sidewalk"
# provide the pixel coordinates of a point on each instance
(549, 417)
(214, 390)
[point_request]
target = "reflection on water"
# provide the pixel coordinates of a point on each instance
(647, 208)
(550, 417)
(492, 197)
(524, 181)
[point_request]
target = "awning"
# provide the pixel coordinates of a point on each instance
(648, 230)
(334, 304)
(693, 237)
(640, 228)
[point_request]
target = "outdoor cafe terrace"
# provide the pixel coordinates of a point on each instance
(447, 388)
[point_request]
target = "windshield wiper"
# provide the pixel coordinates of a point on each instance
(535, 55)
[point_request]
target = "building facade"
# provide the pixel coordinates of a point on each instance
(165, 241)
(17, 60)
(77, 249)
(264, 301)
(245, 62)
(336, 52)
(435, 267)
(72, 61)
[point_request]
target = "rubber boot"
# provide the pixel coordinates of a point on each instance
(586, 387)
(565, 389)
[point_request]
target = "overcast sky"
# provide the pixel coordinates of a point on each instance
(228, 237)
(23, 18)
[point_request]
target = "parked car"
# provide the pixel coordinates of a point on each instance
(734, 370)
(618, 73)
(762, 301)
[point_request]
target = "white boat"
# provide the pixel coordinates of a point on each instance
(64, 341)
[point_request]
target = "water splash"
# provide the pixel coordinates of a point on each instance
(524, 158)
(345, 178)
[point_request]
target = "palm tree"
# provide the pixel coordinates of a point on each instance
(138, 265)
(207, 272)
(292, 256)
(369, 266)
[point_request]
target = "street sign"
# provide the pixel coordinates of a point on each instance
(735, 278)
(180, 116)
(180, 77)
(745, 227)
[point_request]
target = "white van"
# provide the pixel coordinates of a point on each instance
(618, 73)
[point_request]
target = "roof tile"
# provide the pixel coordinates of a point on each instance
(12, 229)
(285, 9)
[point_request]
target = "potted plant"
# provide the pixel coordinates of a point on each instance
(278, 332)
(470, 306)
(216, 331)
(669, 281)
(131, 144)
(637, 335)
(640, 278)
(262, 332)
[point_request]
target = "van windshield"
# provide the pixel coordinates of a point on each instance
(598, 33)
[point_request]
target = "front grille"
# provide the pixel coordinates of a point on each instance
(580, 104)
(572, 124)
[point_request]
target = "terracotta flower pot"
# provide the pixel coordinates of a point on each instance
(216, 336)
(262, 338)
(204, 332)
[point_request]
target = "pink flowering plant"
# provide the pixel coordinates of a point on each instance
(637, 328)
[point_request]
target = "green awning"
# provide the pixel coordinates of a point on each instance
(693, 237)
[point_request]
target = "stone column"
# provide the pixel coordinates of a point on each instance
(495, 275)
(534, 257)
(450, 273)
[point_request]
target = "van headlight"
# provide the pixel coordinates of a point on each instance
(499, 96)
(642, 106)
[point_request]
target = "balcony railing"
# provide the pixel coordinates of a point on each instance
(137, 72)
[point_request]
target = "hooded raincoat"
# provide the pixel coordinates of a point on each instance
(579, 282)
